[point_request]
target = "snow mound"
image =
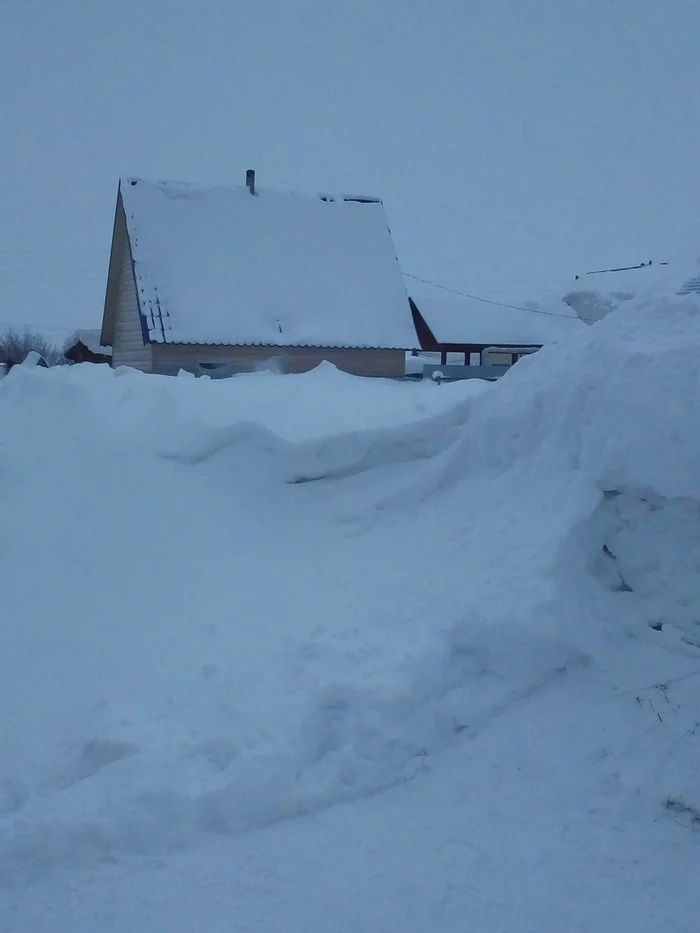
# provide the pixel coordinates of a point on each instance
(162, 674)
(236, 602)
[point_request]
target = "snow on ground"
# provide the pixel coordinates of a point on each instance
(425, 657)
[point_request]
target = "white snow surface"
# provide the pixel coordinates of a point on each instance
(314, 652)
(221, 266)
(457, 319)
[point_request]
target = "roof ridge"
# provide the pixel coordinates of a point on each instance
(207, 187)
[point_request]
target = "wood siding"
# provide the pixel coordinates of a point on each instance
(171, 358)
(129, 348)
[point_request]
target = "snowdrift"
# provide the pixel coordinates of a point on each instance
(230, 603)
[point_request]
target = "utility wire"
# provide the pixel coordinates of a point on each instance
(59, 261)
(27, 325)
(55, 250)
(47, 280)
(488, 301)
(41, 262)
(417, 278)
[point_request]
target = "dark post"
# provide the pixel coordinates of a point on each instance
(250, 180)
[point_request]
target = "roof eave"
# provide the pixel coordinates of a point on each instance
(276, 346)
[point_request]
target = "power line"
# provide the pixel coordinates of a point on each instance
(27, 274)
(47, 280)
(417, 278)
(25, 325)
(23, 262)
(56, 251)
(488, 301)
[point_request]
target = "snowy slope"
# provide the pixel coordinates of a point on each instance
(217, 265)
(426, 657)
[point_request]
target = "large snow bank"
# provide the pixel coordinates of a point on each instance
(616, 404)
(167, 576)
(477, 592)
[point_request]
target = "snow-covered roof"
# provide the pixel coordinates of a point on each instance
(465, 320)
(594, 294)
(90, 338)
(223, 266)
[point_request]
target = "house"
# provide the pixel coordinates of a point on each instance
(229, 280)
(486, 333)
(83, 346)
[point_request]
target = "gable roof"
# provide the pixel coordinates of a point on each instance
(223, 266)
(468, 321)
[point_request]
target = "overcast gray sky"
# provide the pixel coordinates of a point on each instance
(513, 141)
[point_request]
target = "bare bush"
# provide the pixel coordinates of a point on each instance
(14, 347)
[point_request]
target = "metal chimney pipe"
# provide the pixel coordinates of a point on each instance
(250, 180)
